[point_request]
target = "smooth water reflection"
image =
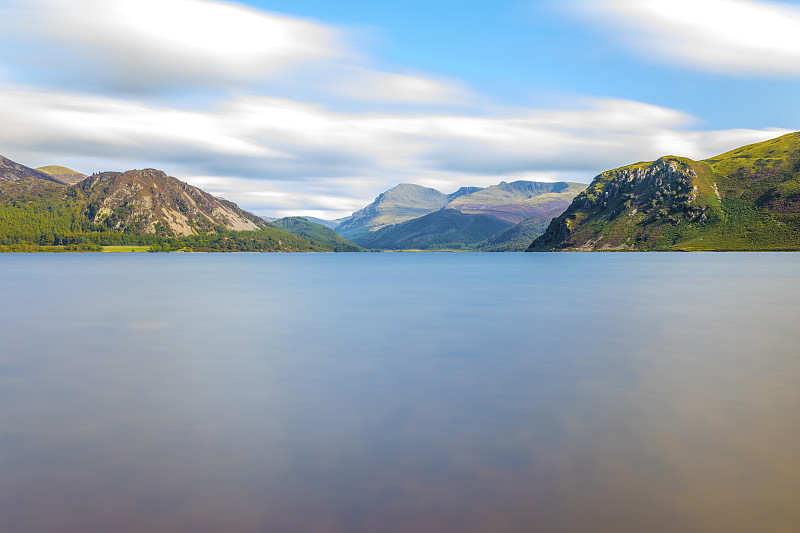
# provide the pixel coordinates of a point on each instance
(351, 393)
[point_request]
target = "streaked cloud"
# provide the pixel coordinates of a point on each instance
(368, 85)
(738, 37)
(183, 47)
(270, 153)
(150, 45)
(204, 90)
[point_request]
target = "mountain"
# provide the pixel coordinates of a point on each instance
(145, 207)
(317, 232)
(63, 174)
(446, 229)
(745, 199)
(510, 202)
(518, 200)
(138, 201)
(149, 201)
(403, 202)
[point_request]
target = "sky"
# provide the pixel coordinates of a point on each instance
(313, 108)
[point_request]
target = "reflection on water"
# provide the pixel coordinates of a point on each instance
(396, 393)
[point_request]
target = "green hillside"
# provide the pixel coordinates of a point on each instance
(446, 229)
(745, 199)
(518, 238)
(316, 232)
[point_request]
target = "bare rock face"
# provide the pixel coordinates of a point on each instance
(149, 201)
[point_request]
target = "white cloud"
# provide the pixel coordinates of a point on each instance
(124, 47)
(294, 155)
(330, 200)
(152, 44)
(282, 155)
(375, 86)
(740, 37)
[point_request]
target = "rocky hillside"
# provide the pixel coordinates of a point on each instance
(138, 201)
(745, 199)
(11, 172)
(149, 201)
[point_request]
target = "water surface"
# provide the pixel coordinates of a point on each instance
(348, 393)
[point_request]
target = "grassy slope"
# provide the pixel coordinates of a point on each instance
(518, 238)
(444, 229)
(745, 199)
(67, 175)
(316, 232)
(56, 169)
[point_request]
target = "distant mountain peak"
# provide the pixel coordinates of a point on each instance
(518, 200)
(506, 203)
(463, 191)
(402, 202)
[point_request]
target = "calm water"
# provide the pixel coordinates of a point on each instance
(394, 393)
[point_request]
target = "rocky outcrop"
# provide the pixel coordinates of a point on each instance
(627, 205)
(149, 201)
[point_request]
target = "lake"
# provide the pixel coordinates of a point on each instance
(400, 392)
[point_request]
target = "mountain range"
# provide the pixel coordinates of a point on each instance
(744, 199)
(472, 218)
(57, 208)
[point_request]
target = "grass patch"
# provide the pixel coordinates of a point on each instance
(128, 249)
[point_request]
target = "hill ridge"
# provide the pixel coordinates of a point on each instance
(11, 171)
(63, 174)
(745, 199)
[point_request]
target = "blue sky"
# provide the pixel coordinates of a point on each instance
(311, 107)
